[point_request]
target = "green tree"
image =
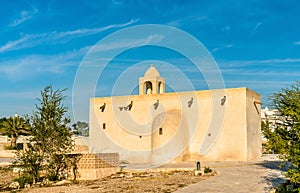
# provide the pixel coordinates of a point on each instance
(80, 128)
(275, 143)
(285, 136)
(13, 127)
(51, 138)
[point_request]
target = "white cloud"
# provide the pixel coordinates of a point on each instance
(187, 19)
(10, 45)
(297, 43)
(256, 27)
(175, 23)
(276, 63)
(269, 69)
(115, 2)
(129, 43)
(21, 68)
(84, 32)
(225, 29)
(32, 94)
(31, 40)
(23, 16)
(221, 48)
(272, 61)
(215, 49)
(260, 72)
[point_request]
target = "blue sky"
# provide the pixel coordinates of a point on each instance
(256, 44)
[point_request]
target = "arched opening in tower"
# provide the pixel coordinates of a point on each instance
(148, 87)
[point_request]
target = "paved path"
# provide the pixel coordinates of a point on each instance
(255, 177)
(232, 177)
(5, 161)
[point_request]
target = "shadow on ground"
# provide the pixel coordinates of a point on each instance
(278, 175)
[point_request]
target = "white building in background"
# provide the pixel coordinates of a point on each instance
(270, 114)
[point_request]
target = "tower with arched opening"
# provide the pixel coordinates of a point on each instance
(151, 83)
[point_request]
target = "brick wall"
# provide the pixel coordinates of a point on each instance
(101, 160)
(96, 166)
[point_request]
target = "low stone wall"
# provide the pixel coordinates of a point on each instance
(4, 139)
(81, 149)
(7, 153)
(2, 146)
(95, 166)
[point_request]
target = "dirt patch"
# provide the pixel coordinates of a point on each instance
(6, 177)
(128, 182)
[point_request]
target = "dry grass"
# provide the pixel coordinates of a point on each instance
(6, 177)
(122, 182)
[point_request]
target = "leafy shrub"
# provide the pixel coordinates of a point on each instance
(24, 179)
(207, 170)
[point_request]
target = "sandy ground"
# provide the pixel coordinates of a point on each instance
(6, 176)
(122, 182)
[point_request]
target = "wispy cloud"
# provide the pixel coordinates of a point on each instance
(23, 16)
(226, 28)
(268, 61)
(86, 31)
(24, 94)
(260, 72)
(297, 43)
(130, 43)
(117, 2)
(269, 69)
(31, 40)
(256, 27)
(11, 45)
(175, 23)
(221, 48)
(187, 19)
(21, 68)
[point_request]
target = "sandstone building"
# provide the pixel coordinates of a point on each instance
(158, 127)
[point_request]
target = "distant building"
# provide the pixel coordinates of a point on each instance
(273, 118)
(269, 114)
(155, 126)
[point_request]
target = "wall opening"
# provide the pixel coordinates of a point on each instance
(159, 88)
(160, 131)
(103, 126)
(148, 87)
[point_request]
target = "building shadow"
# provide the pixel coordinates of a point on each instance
(276, 175)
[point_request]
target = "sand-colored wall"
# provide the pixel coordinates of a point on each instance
(254, 147)
(230, 136)
(207, 130)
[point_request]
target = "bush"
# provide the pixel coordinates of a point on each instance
(9, 147)
(24, 179)
(207, 170)
(288, 187)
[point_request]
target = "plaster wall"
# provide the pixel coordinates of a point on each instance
(254, 140)
(208, 129)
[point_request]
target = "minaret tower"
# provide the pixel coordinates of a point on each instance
(151, 83)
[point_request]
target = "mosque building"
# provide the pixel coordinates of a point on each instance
(158, 127)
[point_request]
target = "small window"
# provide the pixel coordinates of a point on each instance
(160, 131)
(140, 137)
(104, 126)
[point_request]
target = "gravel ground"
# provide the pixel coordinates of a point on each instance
(123, 182)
